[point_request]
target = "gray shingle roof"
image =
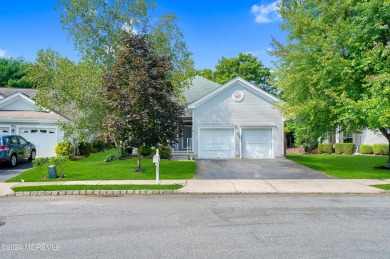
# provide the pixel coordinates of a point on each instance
(200, 86)
(7, 91)
(30, 115)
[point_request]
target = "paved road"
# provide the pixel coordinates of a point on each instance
(7, 172)
(279, 168)
(197, 226)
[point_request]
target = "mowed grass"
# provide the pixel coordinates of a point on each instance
(94, 168)
(344, 166)
(97, 187)
(382, 186)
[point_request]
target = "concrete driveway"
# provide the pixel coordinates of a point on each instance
(7, 172)
(279, 168)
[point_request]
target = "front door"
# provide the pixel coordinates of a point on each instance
(186, 141)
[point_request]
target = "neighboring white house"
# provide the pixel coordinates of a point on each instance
(365, 137)
(19, 115)
(234, 120)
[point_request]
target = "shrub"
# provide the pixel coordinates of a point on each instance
(325, 148)
(344, 148)
(365, 149)
(99, 145)
(380, 149)
(40, 161)
(338, 148)
(146, 151)
(165, 152)
(111, 158)
(85, 148)
(310, 144)
(349, 148)
(64, 149)
(59, 162)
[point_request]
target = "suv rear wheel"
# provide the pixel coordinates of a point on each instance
(32, 155)
(12, 160)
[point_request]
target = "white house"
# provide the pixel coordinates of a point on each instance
(19, 115)
(234, 120)
(365, 137)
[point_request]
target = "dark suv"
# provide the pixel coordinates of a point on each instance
(14, 148)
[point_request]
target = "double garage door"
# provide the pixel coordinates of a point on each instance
(221, 142)
(45, 139)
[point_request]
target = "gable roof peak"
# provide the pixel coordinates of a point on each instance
(267, 96)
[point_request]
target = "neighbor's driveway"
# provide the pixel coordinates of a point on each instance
(279, 168)
(7, 172)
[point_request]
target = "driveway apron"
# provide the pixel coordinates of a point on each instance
(279, 168)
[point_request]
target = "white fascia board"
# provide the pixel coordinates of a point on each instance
(229, 84)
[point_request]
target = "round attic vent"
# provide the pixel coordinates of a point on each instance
(238, 96)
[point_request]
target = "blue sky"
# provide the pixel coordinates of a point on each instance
(212, 29)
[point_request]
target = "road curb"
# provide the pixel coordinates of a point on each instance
(91, 193)
(118, 193)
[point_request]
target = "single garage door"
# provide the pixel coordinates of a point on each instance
(43, 138)
(216, 143)
(256, 143)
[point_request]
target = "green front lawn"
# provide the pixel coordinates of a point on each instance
(344, 166)
(97, 187)
(382, 186)
(94, 168)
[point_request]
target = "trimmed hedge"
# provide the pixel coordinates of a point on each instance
(344, 148)
(325, 148)
(365, 149)
(380, 149)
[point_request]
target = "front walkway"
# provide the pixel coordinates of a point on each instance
(304, 186)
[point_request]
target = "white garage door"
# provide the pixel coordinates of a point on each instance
(256, 143)
(43, 138)
(216, 143)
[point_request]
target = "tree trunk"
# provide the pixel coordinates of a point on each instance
(139, 169)
(118, 145)
(386, 133)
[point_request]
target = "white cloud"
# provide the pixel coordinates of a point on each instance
(266, 13)
(128, 28)
(3, 53)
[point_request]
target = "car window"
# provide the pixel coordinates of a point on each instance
(14, 140)
(8, 141)
(22, 141)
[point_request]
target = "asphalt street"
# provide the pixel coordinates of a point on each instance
(196, 226)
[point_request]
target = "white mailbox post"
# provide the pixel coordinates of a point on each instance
(156, 161)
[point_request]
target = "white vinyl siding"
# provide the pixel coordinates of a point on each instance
(18, 105)
(256, 143)
(216, 143)
(370, 137)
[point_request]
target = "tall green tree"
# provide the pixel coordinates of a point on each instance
(96, 26)
(13, 73)
(206, 73)
(72, 89)
(139, 96)
(334, 70)
(246, 66)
